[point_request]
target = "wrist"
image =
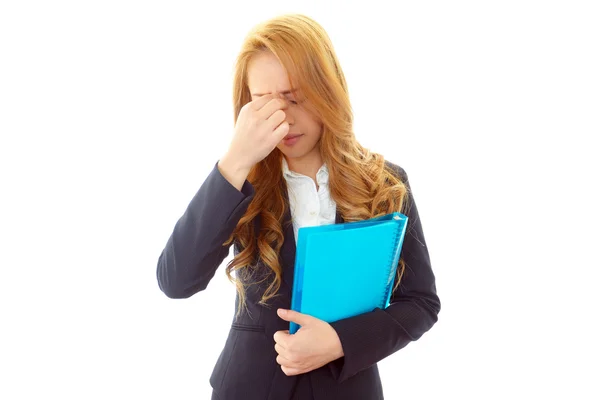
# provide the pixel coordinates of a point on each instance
(233, 165)
(233, 172)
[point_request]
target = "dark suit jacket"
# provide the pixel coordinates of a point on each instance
(247, 367)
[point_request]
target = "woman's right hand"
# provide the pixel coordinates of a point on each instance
(260, 126)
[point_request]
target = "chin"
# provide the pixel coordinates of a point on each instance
(294, 153)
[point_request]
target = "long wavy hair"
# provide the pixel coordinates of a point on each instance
(360, 184)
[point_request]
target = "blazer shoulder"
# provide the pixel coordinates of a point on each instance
(397, 170)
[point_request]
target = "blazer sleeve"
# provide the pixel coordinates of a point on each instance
(414, 306)
(195, 248)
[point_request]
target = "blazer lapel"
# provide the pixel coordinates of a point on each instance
(288, 250)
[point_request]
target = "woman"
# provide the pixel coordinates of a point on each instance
(294, 161)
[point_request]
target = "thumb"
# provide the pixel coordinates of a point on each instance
(294, 316)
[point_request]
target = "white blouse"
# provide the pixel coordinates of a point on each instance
(308, 206)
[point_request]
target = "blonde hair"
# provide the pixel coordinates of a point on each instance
(360, 184)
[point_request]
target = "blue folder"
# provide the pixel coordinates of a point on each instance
(347, 269)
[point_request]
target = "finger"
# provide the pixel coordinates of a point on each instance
(280, 349)
(281, 338)
(276, 119)
(285, 353)
(290, 371)
(281, 131)
(281, 360)
(260, 102)
(294, 316)
(273, 105)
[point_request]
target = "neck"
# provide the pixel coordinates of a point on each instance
(307, 165)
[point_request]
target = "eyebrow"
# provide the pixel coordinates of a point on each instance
(283, 92)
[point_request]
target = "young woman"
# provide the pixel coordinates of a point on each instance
(294, 161)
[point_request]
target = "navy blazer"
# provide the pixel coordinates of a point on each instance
(247, 368)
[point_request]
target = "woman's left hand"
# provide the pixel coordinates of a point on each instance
(315, 344)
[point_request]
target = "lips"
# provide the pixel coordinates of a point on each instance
(292, 136)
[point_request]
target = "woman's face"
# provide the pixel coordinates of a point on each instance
(265, 76)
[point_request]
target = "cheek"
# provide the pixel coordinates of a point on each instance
(309, 124)
(313, 124)
(315, 131)
(318, 129)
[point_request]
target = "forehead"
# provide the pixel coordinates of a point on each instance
(267, 75)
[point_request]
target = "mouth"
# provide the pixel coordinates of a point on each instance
(291, 139)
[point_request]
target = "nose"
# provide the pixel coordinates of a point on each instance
(288, 114)
(288, 117)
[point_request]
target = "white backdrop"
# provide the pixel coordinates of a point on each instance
(112, 114)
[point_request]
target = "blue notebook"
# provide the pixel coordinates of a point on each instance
(343, 270)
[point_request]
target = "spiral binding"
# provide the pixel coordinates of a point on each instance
(394, 259)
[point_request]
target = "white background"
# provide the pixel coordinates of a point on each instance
(113, 113)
